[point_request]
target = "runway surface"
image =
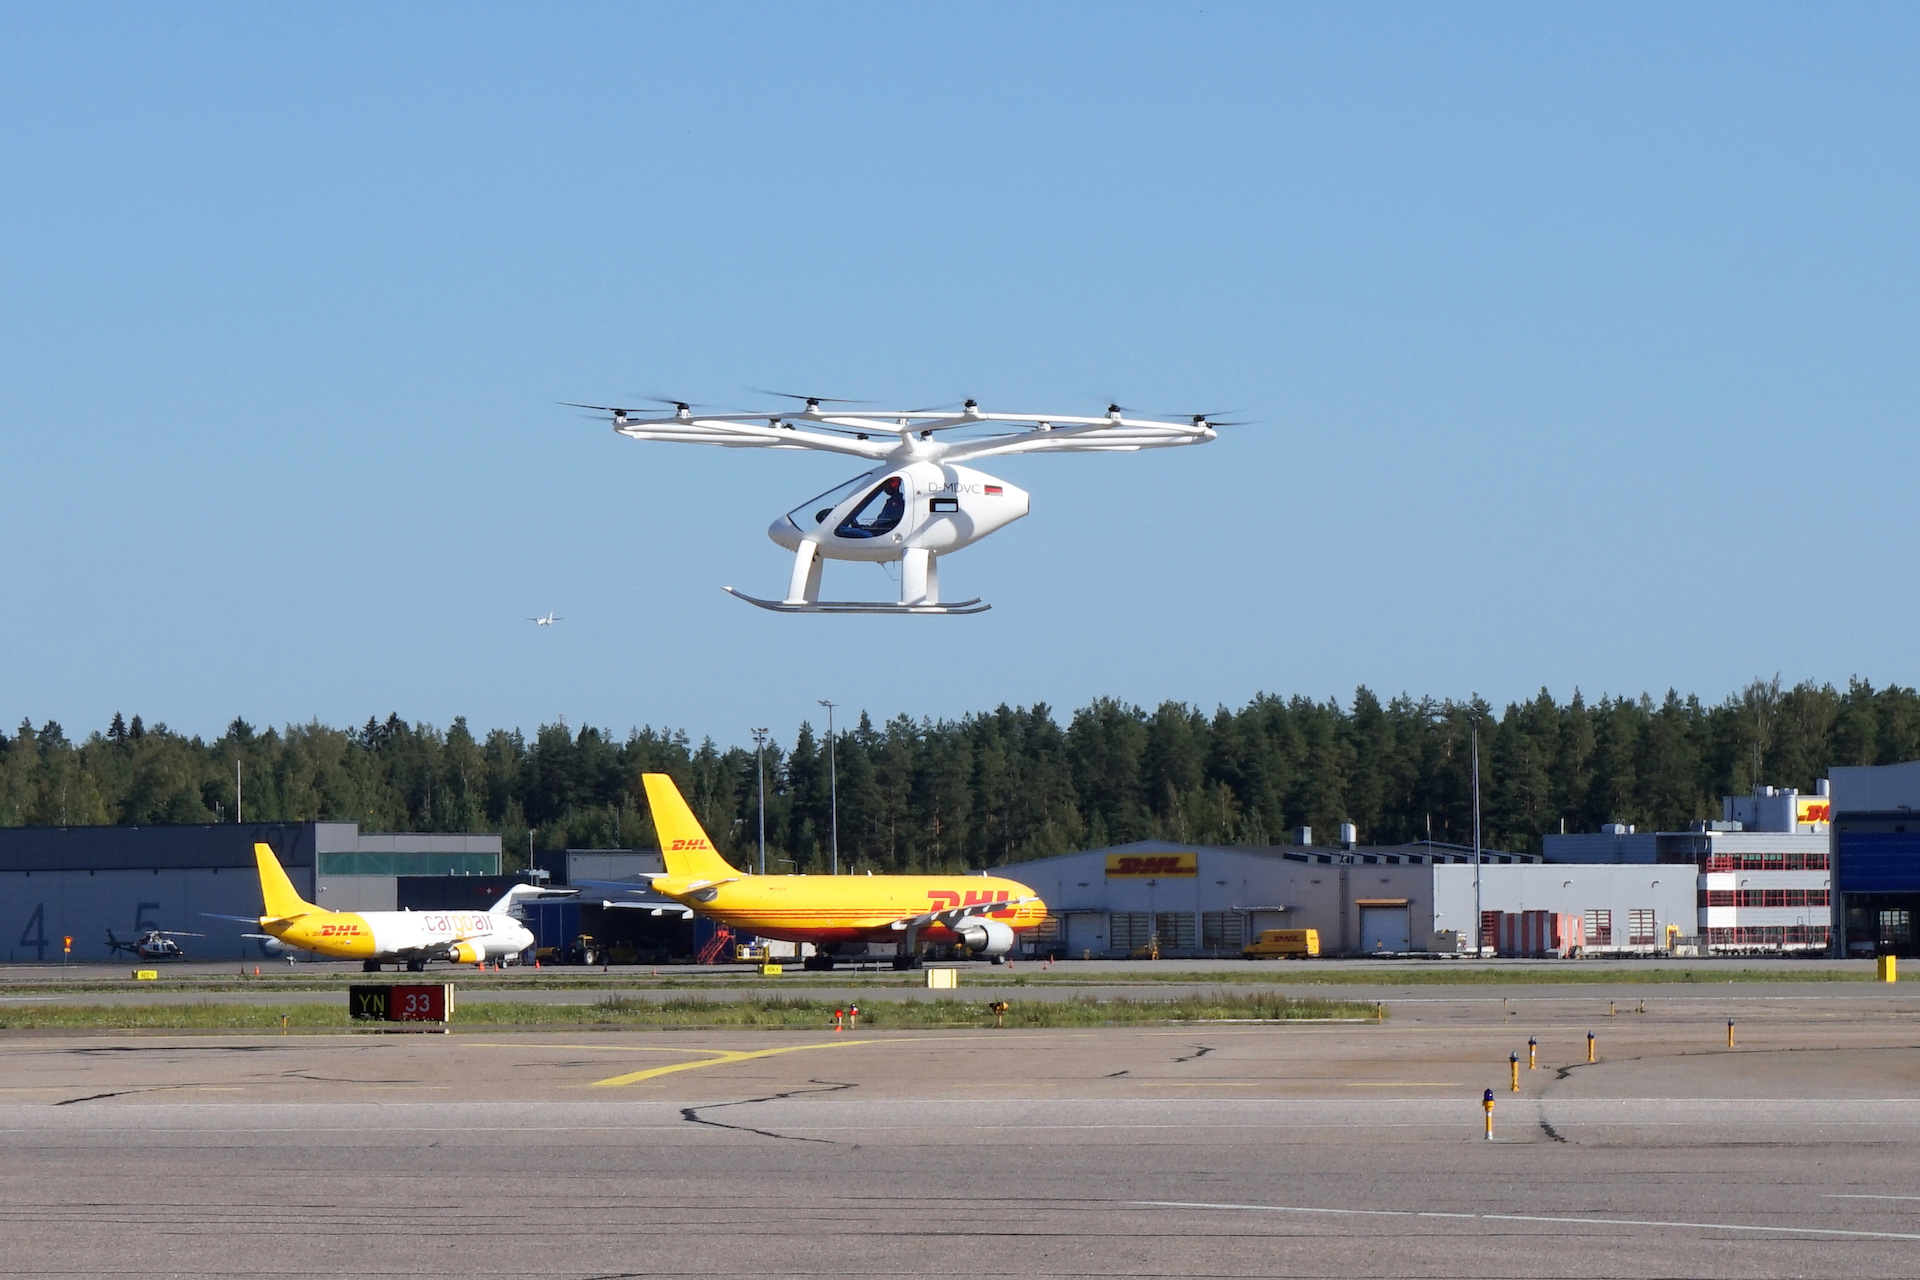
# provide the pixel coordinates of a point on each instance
(1210, 1150)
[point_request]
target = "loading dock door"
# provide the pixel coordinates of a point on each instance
(1086, 931)
(1384, 929)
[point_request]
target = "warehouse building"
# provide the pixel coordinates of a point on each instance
(1875, 840)
(1198, 900)
(80, 882)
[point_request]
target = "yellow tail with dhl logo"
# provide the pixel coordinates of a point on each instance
(277, 894)
(684, 846)
(982, 914)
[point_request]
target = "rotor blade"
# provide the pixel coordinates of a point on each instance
(603, 408)
(788, 395)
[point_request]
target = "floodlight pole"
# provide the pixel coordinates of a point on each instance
(760, 771)
(833, 786)
(1478, 918)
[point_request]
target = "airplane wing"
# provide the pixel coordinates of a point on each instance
(654, 908)
(954, 915)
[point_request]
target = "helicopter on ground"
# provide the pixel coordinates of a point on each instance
(917, 503)
(152, 944)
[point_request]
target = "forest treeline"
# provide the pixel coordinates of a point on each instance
(998, 786)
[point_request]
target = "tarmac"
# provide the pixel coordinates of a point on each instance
(1204, 1150)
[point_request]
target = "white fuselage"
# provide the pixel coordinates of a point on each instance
(497, 936)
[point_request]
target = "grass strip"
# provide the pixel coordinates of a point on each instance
(773, 1012)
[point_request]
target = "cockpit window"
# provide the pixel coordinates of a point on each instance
(879, 513)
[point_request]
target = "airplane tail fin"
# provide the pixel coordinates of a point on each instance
(683, 845)
(523, 891)
(277, 893)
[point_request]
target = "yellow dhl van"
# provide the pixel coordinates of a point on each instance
(1294, 944)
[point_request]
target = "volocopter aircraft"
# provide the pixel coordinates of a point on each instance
(918, 503)
(981, 914)
(375, 938)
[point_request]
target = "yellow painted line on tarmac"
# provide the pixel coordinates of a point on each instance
(721, 1057)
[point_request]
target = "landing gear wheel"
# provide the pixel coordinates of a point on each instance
(818, 963)
(907, 962)
(370, 966)
(416, 966)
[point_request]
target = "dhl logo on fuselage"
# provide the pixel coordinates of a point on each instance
(948, 899)
(1131, 865)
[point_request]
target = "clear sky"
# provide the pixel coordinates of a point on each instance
(1581, 340)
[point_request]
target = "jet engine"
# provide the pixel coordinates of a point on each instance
(985, 937)
(466, 953)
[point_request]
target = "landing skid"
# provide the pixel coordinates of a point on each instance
(860, 606)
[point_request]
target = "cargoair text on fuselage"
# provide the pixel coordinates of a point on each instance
(411, 938)
(837, 914)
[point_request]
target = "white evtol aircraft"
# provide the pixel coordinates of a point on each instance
(918, 503)
(548, 620)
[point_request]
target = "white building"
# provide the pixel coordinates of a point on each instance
(1763, 877)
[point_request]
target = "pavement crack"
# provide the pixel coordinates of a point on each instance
(1112, 1075)
(1199, 1051)
(1550, 1131)
(692, 1114)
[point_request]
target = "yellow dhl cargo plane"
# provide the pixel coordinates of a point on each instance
(412, 938)
(981, 914)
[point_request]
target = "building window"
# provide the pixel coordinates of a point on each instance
(1896, 928)
(1599, 928)
(1642, 928)
(1223, 931)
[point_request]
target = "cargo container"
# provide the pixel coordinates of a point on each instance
(1537, 934)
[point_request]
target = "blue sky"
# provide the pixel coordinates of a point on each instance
(1581, 341)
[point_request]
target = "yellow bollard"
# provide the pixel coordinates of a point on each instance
(1513, 1070)
(1486, 1104)
(1589, 1046)
(1888, 969)
(283, 1024)
(1729, 1033)
(999, 1010)
(1533, 1053)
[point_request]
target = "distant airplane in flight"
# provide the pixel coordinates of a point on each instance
(547, 621)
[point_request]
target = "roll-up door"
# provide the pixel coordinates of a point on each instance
(1086, 931)
(1383, 927)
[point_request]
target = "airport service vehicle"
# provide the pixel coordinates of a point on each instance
(153, 944)
(918, 503)
(376, 938)
(979, 915)
(1289, 944)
